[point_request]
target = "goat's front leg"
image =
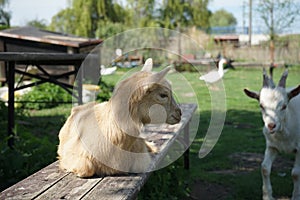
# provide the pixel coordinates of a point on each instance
(270, 155)
(296, 176)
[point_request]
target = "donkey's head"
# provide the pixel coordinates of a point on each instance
(149, 97)
(273, 101)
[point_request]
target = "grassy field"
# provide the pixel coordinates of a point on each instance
(231, 170)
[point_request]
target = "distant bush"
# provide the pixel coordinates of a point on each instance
(106, 91)
(3, 111)
(185, 67)
(47, 95)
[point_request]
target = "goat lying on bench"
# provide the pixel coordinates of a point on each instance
(103, 138)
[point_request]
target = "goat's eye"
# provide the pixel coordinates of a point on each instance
(261, 106)
(162, 95)
(283, 107)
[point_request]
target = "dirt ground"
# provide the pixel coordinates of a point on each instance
(208, 191)
(243, 163)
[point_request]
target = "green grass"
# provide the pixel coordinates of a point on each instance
(242, 132)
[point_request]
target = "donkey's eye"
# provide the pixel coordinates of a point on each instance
(283, 107)
(162, 95)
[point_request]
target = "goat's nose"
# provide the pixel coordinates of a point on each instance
(178, 110)
(271, 126)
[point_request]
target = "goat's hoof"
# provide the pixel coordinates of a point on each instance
(268, 198)
(152, 148)
(296, 197)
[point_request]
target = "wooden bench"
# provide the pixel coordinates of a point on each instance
(52, 183)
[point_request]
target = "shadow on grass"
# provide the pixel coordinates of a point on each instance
(36, 140)
(232, 168)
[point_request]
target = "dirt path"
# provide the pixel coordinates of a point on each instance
(208, 191)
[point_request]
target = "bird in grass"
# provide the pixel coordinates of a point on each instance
(107, 71)
(214, 76)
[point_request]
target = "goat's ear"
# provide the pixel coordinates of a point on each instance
(251, 94)
(294, 92)
(157, 77)
(148, 65)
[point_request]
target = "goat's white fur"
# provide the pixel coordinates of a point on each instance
(104, 138)
(281, 115)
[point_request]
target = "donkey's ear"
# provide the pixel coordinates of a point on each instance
(251, 94)
(148, 65)
(294, 92)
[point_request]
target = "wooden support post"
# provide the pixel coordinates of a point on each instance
(79, 83)
(187, 142)
(11, 104)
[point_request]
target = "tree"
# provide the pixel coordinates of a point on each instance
(185, 13)
(85, 17)
(102, 18)
(63, 21)
(4, 15)
(222, 18)
(277, 15)
(38, 23)
(200, 13)
(142, 13)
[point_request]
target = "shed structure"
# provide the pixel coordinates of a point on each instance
(31, 39)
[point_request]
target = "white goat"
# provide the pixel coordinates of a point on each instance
(281, 115)
(103, 138)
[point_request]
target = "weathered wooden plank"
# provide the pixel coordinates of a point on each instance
(69, 187)
(36, 56)
(34, 184)
(164, 135)
(118, 187)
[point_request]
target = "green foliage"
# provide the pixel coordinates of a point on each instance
(48, 94)
(185, 68)
(186, 13)
(107, 29)
(38, 23)
(63, 21)
(222, 18)
(3, 111)
(141, 12)
(106, 91)
(5, 15)
(30, 154)
(166, 183)
(35, 142)
(105, 18)
(85, 16)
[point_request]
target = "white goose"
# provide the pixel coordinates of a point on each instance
(214, 76)
(107, 71)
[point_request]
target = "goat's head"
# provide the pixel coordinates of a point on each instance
(273, 101)
(149, 97)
